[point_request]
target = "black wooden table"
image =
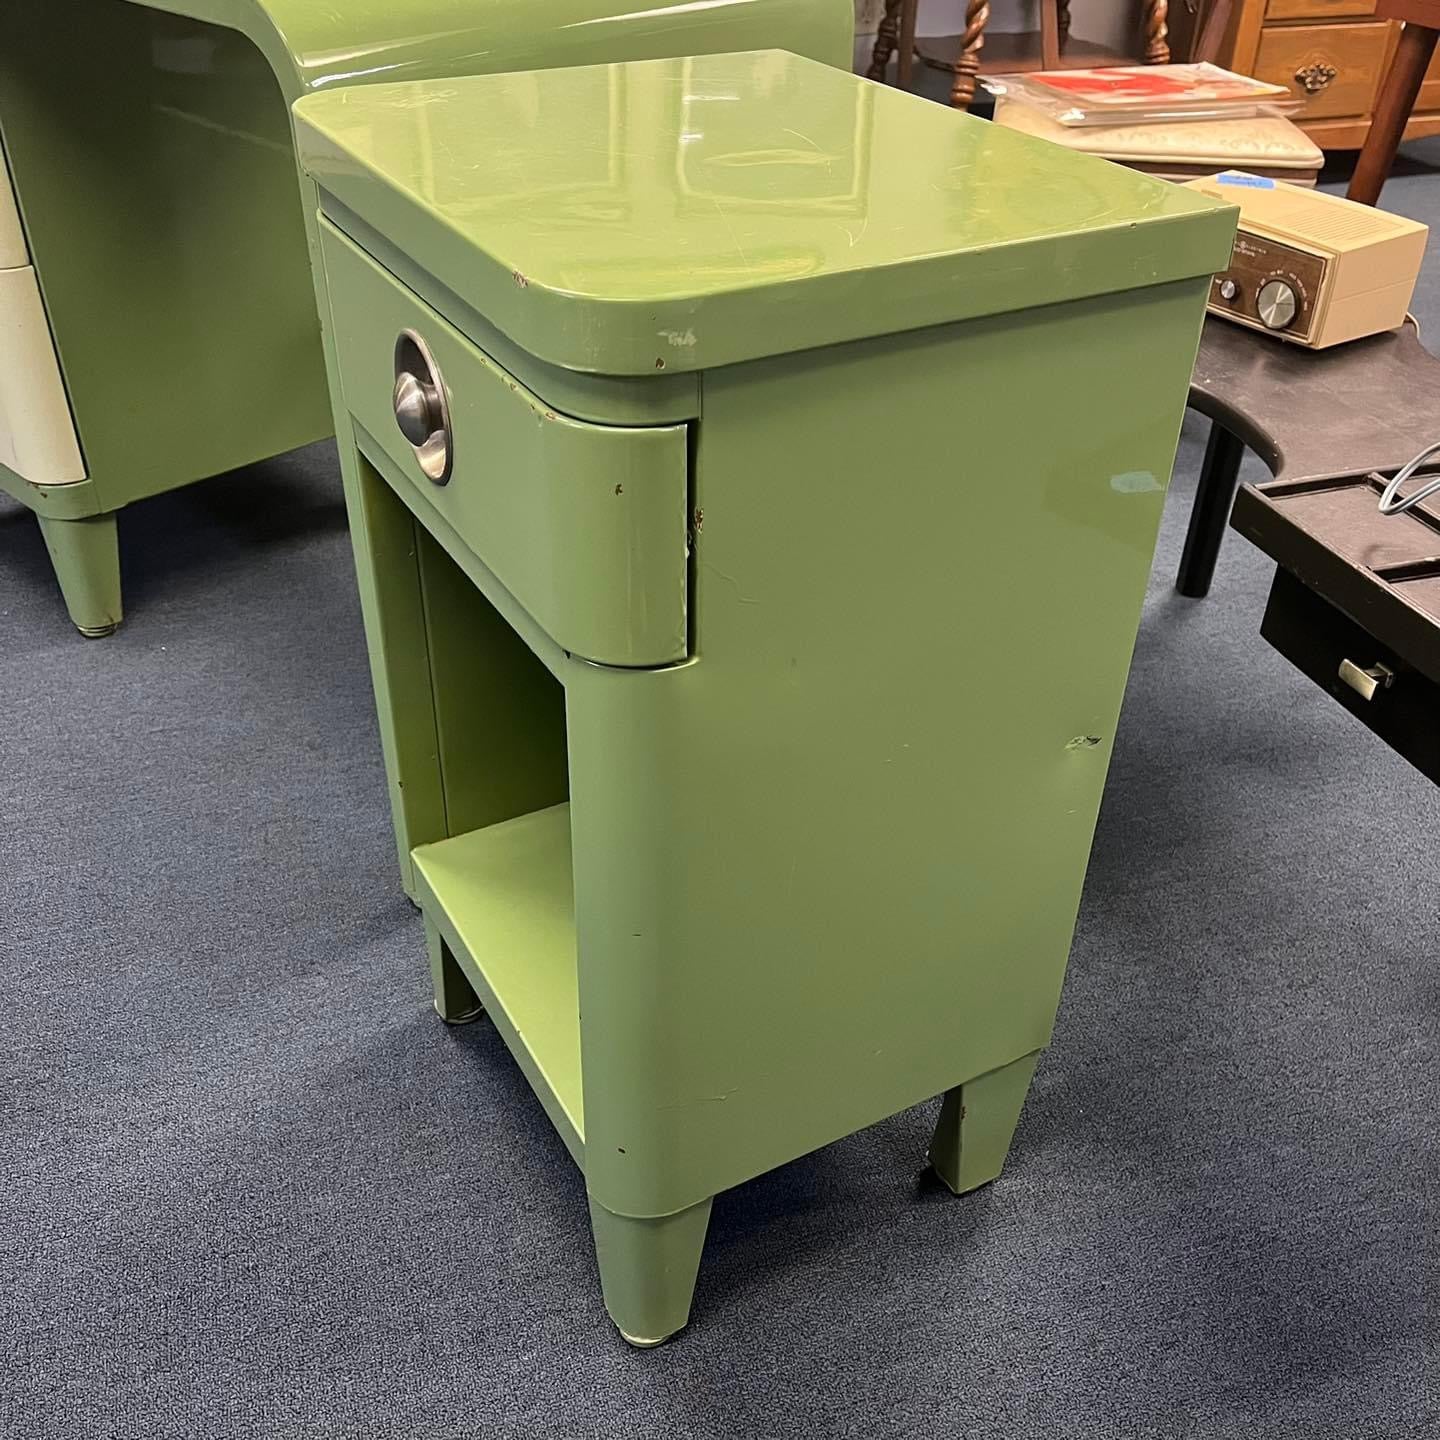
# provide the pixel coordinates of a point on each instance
(1368, 405)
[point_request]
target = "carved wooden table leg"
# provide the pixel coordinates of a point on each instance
(885, 38)
(1157, 32)
(905, 66)
(967, 67)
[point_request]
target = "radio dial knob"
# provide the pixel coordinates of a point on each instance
(1276, 304)
(1228, 289)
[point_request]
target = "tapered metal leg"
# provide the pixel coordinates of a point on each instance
(648, 1269)
(1213, 499)
(86, 557)
(977, 1123)
(455, 1001)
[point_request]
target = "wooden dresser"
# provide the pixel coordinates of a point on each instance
(1330, 53)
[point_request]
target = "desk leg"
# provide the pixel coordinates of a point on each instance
(86, 556)
(455, 1001)
(1213, 499)
(648, 1268)
(977, 1122)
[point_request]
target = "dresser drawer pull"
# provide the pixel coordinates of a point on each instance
(422, 409)
(1314, 78)
(1366, 680)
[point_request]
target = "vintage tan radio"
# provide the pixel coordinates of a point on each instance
(1313, 268)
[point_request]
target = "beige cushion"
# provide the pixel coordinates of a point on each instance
(1263, 143)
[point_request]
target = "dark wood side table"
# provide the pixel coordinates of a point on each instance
(1368, 405)
(1355, 603)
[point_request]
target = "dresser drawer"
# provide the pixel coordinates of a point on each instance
(37, 435)
(1429, 96)
(1318, 9)
(1335, 69)
(585, 525)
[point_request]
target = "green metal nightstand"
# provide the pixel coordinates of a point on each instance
(157, 311)
(745, 752)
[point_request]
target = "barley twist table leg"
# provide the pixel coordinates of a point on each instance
(885, 38)
(967, 67)
(1157, 32)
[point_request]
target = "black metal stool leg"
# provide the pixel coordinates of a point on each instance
(1213, 498)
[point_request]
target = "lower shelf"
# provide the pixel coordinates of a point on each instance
(503, 899)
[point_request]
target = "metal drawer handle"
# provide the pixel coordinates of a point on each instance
(422, 407)
(1366, 680)
(1314, 78)
(417, 408)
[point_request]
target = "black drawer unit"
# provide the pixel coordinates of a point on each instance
(1355, 604)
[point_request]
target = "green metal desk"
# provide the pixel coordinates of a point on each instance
(157, 314)
(745, 751)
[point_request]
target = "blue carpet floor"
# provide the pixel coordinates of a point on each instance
(250, 1187)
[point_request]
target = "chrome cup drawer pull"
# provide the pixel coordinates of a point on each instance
(422, 409)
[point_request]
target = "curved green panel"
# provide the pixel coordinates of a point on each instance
(310, 45)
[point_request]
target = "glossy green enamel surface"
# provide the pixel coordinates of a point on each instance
(830, 865)
(689, 213)
(312, 45)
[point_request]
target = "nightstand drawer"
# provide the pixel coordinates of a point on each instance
(585, 525)
(1318, 9)
(1335, 69)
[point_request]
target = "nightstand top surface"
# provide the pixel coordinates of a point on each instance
(685, 213)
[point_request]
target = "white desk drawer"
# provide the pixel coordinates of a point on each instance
(37, 435)
(12, 238)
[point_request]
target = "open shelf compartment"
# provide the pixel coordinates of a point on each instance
(503, 899)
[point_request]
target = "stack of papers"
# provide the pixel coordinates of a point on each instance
(1143, 94)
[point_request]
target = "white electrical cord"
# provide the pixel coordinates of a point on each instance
(1389, 504)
